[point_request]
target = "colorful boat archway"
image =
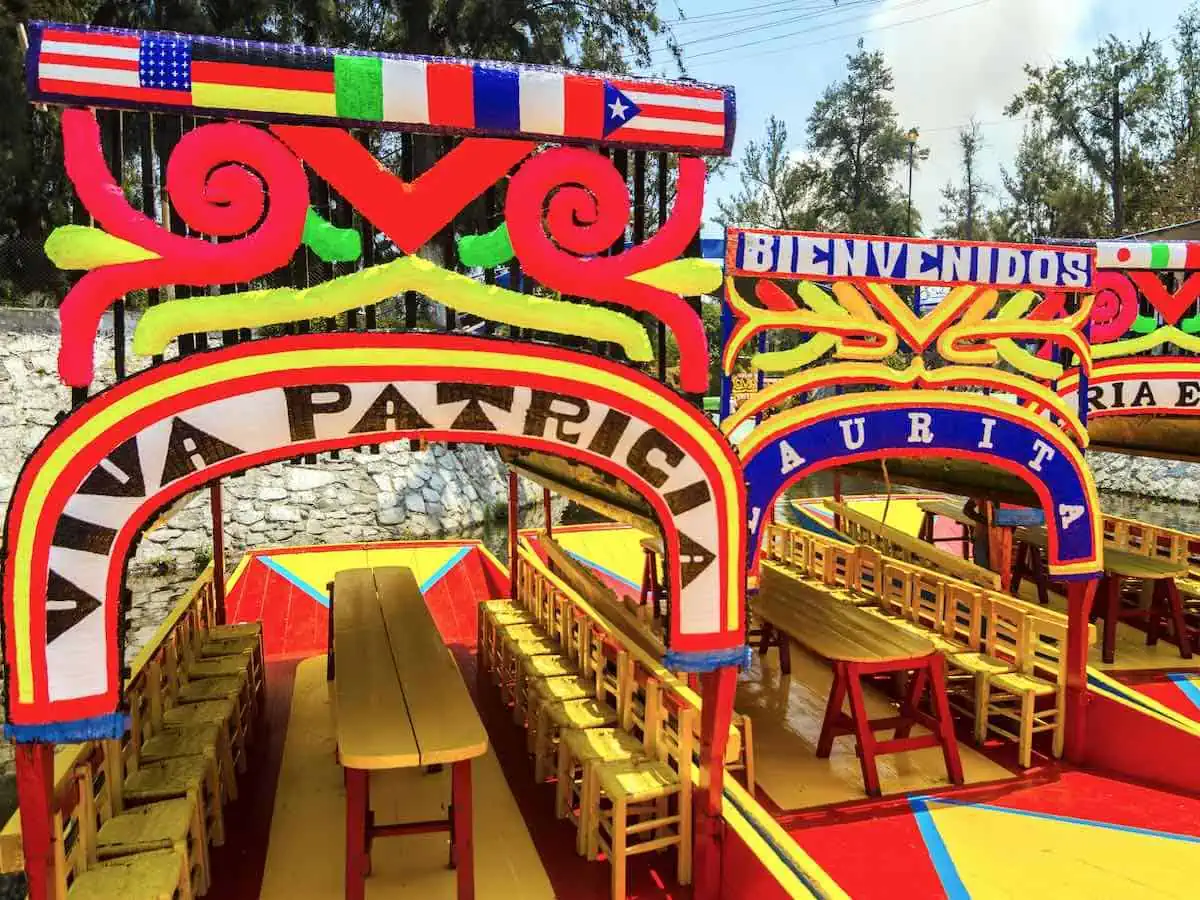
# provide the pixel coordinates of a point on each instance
(101, 475)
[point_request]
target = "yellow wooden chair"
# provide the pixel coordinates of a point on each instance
(597, 654)
(167, 825)
(151, 741)
(191, 704)
(870, 574)
(962, 622)
(968, 674)
(82, 875)
(635, 702)
(1041, 673)
(607, 679)
(522, 642)
(575, 643)
(646, 806)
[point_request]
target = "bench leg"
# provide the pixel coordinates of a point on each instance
(941, 709)
(357, 861)
(1176, 605)
(462, 841)
(862, 731)
(1112, 608)
(912, 699)
(833, 711)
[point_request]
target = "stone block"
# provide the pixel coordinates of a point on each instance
(280, 513)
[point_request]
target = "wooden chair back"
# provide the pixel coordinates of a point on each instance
(928, 606)
(870, 571)
(963, 621)
(896, 588)
(842, 566)
(1006, 627)
(1047, 647)
(74, 837)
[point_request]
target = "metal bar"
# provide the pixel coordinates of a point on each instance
(408, 171)
(662, 217)
(149, 207)
(114, 125)
(218, 538)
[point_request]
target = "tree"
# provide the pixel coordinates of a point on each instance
(962, 208)
(776, 188)
(856, 141)
(1044, 194)
(1110, 108)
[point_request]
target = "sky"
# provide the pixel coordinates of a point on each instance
(951, 59)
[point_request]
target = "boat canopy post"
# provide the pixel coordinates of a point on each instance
(218, 540)
(514, 488)
(549, 518)
(1080, 596)
(718, 689)
(35, 799)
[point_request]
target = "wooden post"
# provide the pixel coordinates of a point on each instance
(513, 513)
(35, 797)
(218, 540)
(549, 514)
(1080, 596)
(718, 690)
(837, 498)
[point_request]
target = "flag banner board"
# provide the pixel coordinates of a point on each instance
(107, 67)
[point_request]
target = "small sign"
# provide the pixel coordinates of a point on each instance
(830, 257)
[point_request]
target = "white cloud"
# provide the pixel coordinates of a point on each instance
(964, 62)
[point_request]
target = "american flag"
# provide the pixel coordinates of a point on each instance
(149, 68)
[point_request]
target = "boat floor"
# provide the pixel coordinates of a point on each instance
(306, 852)
(1049, 831)
(787, 711)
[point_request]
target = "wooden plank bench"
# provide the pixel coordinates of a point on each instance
(859, 644)
(400, 702)
(893, 542)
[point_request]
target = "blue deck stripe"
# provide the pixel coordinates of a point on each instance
(1072, 820)
(599, 568)
(1190, 689)
(319, 596)
(450, 564)
(943, 864)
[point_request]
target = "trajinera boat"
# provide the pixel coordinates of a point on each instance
(974, 683)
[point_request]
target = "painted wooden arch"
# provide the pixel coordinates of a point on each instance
(101, 473)
(842, 430)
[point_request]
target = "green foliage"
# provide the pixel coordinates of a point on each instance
(962, 207)
(859, 146)
(777, 190)
(1110, 109)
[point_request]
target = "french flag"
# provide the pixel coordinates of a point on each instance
(562, 104)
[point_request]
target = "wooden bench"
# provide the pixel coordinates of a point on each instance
(399, 702)
(858, 644)
(1119, 566)
(895, 543)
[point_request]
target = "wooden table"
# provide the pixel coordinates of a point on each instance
(859, 644)
(399, 702)
(1118, 566)
(932, 509)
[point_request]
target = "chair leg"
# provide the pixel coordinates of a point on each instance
(1026, 743)
(618, 850)
(983, 692)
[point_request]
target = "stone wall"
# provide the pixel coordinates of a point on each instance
(362, 496)
(1164, 479)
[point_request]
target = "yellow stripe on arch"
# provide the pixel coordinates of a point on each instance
(389, 360)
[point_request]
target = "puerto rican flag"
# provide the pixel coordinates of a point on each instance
(563, 104)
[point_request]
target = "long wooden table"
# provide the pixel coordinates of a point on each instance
(400, 702)
(857, 644)
(1120, 565)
